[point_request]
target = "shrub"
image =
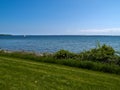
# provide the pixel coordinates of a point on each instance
(64, 54)
(1, 51)
(118, 63)
(103, 54)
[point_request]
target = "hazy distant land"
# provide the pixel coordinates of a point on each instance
(5, 35)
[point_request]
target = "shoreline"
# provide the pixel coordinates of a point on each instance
(101, 59)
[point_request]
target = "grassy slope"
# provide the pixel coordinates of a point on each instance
(18, 74)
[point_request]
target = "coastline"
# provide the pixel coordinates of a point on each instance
(101, 59)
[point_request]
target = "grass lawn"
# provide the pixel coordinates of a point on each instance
(19, 74)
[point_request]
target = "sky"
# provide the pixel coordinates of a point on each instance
(60, 17)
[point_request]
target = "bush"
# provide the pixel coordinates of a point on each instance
(64, 54)
(102, 54)
(118, 63)
(1, 51)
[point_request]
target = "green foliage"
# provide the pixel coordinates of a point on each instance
(118, 62)
(103, 54)
(64, 54)
(2, 51)
(103, 58)
(98, 45)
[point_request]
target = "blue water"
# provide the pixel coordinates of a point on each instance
(55, 43)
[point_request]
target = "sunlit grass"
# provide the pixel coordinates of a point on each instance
(20, 74)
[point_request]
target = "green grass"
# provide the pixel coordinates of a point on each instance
(49, 58)
(20, 74)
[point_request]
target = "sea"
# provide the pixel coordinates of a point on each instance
(53, 43)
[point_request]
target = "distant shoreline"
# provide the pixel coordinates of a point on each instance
(65, 35)
(5, 35)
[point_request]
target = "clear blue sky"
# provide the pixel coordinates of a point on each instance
(60, 17)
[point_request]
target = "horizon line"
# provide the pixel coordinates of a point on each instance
(54, 35)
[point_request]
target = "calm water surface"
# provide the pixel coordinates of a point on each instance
(55, 43)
